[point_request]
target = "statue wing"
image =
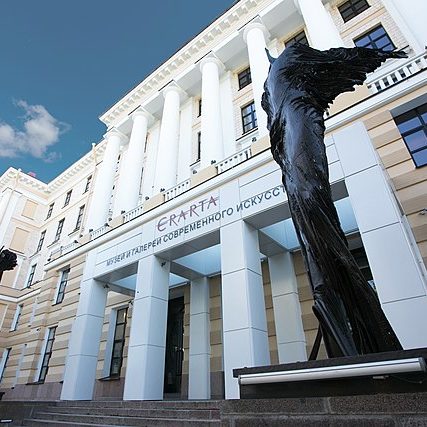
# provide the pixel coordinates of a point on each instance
(326, 74)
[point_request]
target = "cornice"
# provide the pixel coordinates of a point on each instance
(233, 18)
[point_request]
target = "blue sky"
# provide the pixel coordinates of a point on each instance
(63, 63)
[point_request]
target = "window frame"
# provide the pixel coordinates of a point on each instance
(4, 360)
(244, 78)
(117, 341)
(50, 210)
(416, 113)
(31, 274)
(252, 113)
(59, 230)
(16, 317)
(41, 241)
(372, 42)
(297, 39)
(48, 350)
(67, 198)
(63, 281)
(79, 220)
(351, 5)
(88, 182)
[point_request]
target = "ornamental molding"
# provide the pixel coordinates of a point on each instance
(193, 51)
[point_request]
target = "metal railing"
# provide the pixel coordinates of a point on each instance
(403, 71)
(234, 160)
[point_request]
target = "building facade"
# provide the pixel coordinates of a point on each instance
(166, 256)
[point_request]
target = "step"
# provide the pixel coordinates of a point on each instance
(50, 423)
(143, 404)
(206, 414)
(120, 421)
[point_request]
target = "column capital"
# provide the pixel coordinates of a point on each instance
(255, 24)
(142, 112)
(114, 132)
(173, 86)
(209, 59)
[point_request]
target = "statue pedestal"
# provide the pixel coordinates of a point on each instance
(390, 372)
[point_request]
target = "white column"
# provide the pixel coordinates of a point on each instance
(185, 139)
(99, 205)
(393, 255)
(128, 187)
(320, 26)
(199, 386)
(290, 335)
(147, 342)
(227, 115)
(82, 359)
(151, 160)
(244, 319)
(167, 157)
(4, 201)
(255, 35)
(410, 17)
(212, 146)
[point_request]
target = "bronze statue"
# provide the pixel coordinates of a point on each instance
(7, 260)
(301, 84)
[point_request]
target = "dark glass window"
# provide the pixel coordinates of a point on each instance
(244, 78)
(199, 145)
(62, 286)
(6, 358)
(413, 128)
(59, 229)
(377, 38)
(47, 354)
(49, 212)
(41, 240)
(199, 111)
(67, 198)
(31, 275)
(249, 120)
(298, 38)
(80, 217)
(17, 317)
(352, 8)
(119, 342)
(88, 181)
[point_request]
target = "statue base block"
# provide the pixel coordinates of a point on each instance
(390, 372)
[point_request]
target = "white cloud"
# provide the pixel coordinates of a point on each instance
(39, 133)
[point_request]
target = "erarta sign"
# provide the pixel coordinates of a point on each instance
(194, 211)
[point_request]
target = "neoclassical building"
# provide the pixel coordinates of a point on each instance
(166, 256)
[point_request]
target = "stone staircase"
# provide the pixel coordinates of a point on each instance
(381, 410)
(124, 414)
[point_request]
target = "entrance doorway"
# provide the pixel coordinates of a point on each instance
(174, 346)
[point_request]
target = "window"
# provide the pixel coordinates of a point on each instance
(80, 217)
(199, 145)
(298, 38)
(4, 360)
(15, 321)
(88, 181)
(119, 342)
(62, 286)
(244, 78)
(249, 121)
(376, 38)
(413, 128)
(47, 354)
(49, 212)
(59, 230)
(118, 162)
(352, 8)
(67, 198)
(31, 276)
(199, 111)
(41, 240)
